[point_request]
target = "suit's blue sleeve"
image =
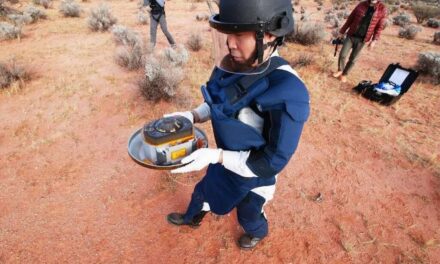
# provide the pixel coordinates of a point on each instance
(284, 135)
(287, 108)
(146, 2)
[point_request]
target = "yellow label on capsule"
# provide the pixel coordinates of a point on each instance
(178, 154)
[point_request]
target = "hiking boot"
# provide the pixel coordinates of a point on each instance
(177, 219)
(247, 241)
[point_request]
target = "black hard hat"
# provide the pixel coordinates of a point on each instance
(272, 16)
(262, 16)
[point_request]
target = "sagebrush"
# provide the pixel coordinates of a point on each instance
(409, 32)
(302, 60)
(308, 34)
(9, 31)
(101, 18)
(194, 42)
(45, 3)
(69, 8)
(35, 13)
(130, 52)
(429, 64)
(437, 38)
(423, 11)
(402, 19)
(162, 74)
(433, 23)
(142, 18)
(12, 72)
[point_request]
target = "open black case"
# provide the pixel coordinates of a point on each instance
(395, 74)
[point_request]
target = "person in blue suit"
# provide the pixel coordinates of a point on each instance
(257, 105)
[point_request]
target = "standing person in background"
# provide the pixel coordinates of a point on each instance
(157, 16)
(364, 25)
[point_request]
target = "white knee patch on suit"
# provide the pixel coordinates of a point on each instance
(206, 207)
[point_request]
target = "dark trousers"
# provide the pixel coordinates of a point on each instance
(355, 45)
(163, 25)
(249, 212)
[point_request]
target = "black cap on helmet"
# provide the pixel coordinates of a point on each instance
(262, 16)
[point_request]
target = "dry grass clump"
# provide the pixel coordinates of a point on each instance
(69, 8)
(6, 10)
(178, 56)
(20, 19)
(433, 23)
(308, 34)
(9, 31)
(423, 11)
(142, 18)
(31, 14)
(409, 32)
(402, 19)
(129, 57)
(101, 18)
(45, 3)
(195, 42)
(12, 72)
(332, 19)
(35, 13)
(125, 36)
(202, 17)
(429, 64)
(437, 38)
(130, 51)
(163, 74)
(303, 60)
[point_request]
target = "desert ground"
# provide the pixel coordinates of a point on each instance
(69, 192)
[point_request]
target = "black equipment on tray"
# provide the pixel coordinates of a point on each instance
(163, 143)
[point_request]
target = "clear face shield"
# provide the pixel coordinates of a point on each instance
(237, 53)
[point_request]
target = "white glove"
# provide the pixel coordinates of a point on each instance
(186, 114)
(200, 159)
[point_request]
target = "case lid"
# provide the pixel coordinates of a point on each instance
(400, 76)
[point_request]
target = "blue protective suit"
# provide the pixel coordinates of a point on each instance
(282, 100)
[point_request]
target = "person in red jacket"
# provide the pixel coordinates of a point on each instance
(364, 25)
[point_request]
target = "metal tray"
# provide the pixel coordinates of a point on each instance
(135, 144)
